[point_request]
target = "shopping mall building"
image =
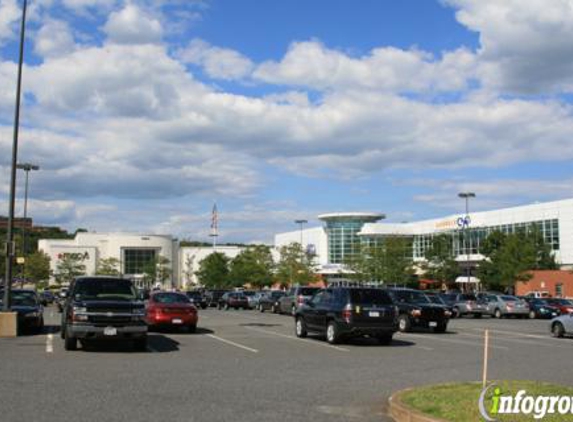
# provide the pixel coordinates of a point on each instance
(342, 234)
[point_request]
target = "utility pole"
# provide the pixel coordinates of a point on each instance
(467, 196)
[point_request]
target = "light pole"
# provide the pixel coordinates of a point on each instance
(301, 223)
(27, 167)
(466, 223)
(10, 249)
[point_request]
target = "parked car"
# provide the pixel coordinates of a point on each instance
(538, 294)
(449, 300)
(416, 310)
(61, 298)
(197, 298)
(562, 325)
(469, 304)
(437, 298)
(101, 308)
(270, 301)
(295, 297)
(171, 309)
(540, 308)
(47, 297)
(500, 306)
(564, 305)
(213, 296)
(28, 307)
(253, 298)
(233, 300)
(345, 312)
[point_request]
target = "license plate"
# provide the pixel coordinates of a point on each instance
(177, 321)
(373, 314)
(109, 331)
(433, 324)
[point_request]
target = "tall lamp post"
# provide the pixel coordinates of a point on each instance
(10, 249)
(27, 167)
(301, 223)
(466, 223)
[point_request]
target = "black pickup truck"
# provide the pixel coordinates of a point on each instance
(100, 308)
(416, 310)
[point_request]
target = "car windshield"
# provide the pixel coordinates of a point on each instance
(370, 297)
(411, 296)
(21, 298)
(249, 293)
(277, 294)
(509, 298)
(194, 294)
(170, 298)
(105, 289)
(466, 297)
(435, 299)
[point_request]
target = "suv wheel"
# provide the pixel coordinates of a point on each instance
(300, 328)
(332, 334)
(557, 330)
(497, 314)
(70, 343)
(404, 324)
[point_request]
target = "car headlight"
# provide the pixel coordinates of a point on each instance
(447, 313)
(416, 312)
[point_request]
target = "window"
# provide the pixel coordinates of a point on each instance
(135, 260)
(559, 290)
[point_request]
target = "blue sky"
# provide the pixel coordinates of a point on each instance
(143, 113)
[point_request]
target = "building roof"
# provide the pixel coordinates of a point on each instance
(366, 216)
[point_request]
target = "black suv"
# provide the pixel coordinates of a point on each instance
(344, 312)
(103, 308)
(416, 310)
(197, 298)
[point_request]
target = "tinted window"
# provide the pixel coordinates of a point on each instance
(509, 298)
(308, 291)
(170, 298)
(276, 295)
(370, 297)
(102, 289)
(410, 296)
(435, 299)
(468, 297)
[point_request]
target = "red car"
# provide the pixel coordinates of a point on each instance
(170, 309)
(564, 305)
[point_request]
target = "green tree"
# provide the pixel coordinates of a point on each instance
(253, 265)
(156, 270)
(108, 266)
(440, 264)
(397, 257)
(295, 267)
(214, 270)
(368, 264)
(37, 267)
(69, 267)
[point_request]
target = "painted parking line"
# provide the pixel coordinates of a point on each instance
(232, 343)
(50, 343)
(453, 341)
(290, 337)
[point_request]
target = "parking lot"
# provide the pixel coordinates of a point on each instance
(248, 366)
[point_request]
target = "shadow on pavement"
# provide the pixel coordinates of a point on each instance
(156, 343)
(179, 330)
(260, 324)
(372, 342)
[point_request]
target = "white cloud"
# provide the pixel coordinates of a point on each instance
(54, 39)
(525, 45)
(10, 13)
(218, 63)
(82, 5)
(131, 25)
(313, 65)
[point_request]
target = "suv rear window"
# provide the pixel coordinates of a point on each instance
(308, 291)
(102, 289)
(370, 297)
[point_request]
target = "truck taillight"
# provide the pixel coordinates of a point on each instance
(347, 313)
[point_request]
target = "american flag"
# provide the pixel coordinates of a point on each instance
(214, 221)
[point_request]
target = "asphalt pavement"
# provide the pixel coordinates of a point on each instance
(248, 366)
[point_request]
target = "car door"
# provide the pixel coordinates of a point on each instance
(285, 302)
(310, 311)
(568, 323)
(323, 308)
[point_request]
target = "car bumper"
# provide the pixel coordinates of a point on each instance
(88, 331)
(173, 320)
(370, 330)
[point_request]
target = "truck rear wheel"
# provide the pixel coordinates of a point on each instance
(70, 343)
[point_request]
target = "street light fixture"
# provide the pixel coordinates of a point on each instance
(27, 167)
(466, 223)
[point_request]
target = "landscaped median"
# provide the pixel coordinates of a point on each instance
(513, 401)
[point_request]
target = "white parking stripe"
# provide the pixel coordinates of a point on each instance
(232, 343)
(448, 340)
(50, 343)
(341, 349)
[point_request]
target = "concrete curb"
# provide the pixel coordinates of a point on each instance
(401, 412)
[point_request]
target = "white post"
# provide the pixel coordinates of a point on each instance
(485, 358)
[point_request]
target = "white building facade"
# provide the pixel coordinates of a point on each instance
(333, 245)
